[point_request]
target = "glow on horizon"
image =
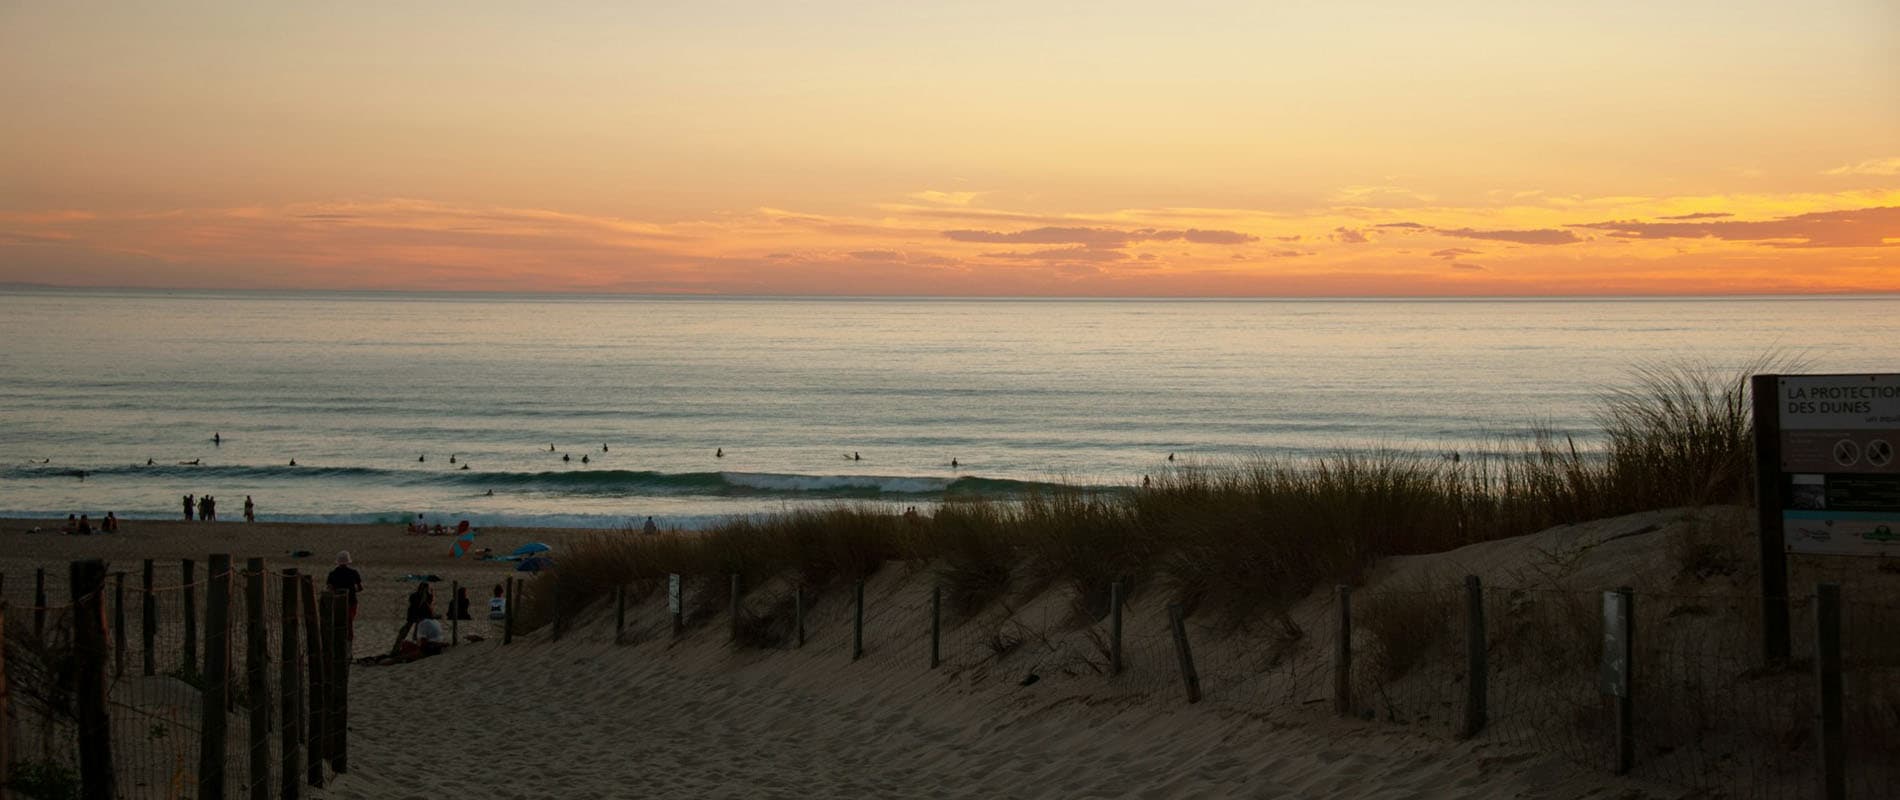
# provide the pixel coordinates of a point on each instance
(1212, 148)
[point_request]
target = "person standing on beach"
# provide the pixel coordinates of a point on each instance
(187, 508)
(345, 578)
(250, 511)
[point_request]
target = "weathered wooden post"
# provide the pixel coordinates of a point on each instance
(1477, 671)
(290, 687)
(188, 570)
(559, 605)
(1827, 679)
(508, 614)
(338, 727)
(735, 607)
(118, 624)
(6, 738)
(87, 581)
(1190, 679)
(1115, 628)
(620, 611)
(1619, 672)
(149, 622)
(676, 602)
(39, 603)
(455, 613)
(857, 622)
(216, 674)
(798, 616)
(1342, 654)
(257, 678)
(936, 626)
(316, 626)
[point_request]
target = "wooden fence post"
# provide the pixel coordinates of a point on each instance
(798, 616)
(1626, 701)
(857, 623)
(620, 611)
(257, 678)
(216, 674)
(508, 614)
(1477, 671)
(1827, 679)
(1342, 655)
(455, 613)
(149, 621)
(559, 604)
(118, 624)
(936, 626)
(39, 603)
(1115, 628)
(188, 570)
(676, 601)
(735, 607)
(341, 651)
(289, 687)
(316, 626)
(6, 737)
(1189, 678)
(87, 582)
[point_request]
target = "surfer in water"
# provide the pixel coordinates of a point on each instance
(217, 439)
(451, 458)
(491, 493)
(293, 462)
(953, 463)
(719, 452)
(565, 458)
(550, 447)
(603, 447)
(583, 459)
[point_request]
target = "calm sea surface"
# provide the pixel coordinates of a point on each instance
(359, 388)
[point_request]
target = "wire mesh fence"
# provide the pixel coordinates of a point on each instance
(195, 680)
(1520, 666)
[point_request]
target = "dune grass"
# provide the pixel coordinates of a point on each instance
(1231, 539)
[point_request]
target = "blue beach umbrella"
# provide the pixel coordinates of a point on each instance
(530, 549)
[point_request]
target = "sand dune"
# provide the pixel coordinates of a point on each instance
(589, 717)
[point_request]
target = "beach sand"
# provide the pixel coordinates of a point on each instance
(591, 717)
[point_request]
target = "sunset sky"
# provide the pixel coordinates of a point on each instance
(1102, 148)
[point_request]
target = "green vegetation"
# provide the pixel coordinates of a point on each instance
(1233, 540)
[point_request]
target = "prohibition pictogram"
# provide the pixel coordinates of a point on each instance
(1846, 453)
(1879, 453)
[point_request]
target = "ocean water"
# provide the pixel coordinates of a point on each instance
(373, 394)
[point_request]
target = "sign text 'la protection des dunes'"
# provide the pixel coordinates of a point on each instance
(1839, 474)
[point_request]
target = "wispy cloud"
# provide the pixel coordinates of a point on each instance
(1872, 166)
(1100, 237)
(1538, 236)
(1866, 227)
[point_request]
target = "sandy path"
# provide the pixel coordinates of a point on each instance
(587, 720)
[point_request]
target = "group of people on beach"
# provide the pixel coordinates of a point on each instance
(81, 525)
(207, 508)
(422, 635)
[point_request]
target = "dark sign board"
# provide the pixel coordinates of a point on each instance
(1834, 466)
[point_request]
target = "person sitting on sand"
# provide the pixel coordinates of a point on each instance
(458, 605)
(649, 528)
(110, 524)
(498, 605)
(72, 524)
(430, 636)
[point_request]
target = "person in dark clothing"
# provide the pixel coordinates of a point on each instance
(420, 602)
(458, 605)
(345, 578)
(188, 505)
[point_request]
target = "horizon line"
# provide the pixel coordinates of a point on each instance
(13, 286)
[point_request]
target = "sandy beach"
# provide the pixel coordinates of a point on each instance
(590, 717)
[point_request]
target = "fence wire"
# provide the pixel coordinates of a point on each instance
(160, 643)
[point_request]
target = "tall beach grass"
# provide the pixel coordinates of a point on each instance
(1231, 539)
